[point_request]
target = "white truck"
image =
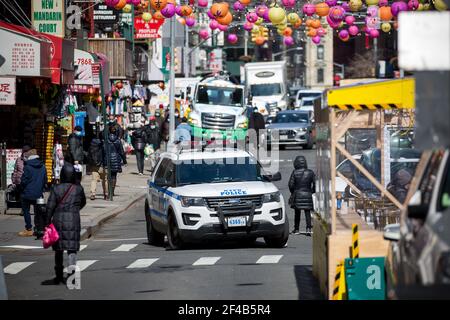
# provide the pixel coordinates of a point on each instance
(266, 84)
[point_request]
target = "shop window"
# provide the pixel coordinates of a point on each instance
(320, 52)
(320, 76)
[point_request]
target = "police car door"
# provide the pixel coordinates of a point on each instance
(157, 191)
(169, 181)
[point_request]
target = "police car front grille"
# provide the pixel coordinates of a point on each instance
(217, 121)
(229, 204)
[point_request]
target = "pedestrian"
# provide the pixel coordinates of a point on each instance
(63, 209)
(257, 123)
(19, 166)
(96, 166)
(302, 186)
(112, 122)
(183, 131)
(76, 152)
(159, 120)
(138, 140)
(114, 150)
(153, 140)
(32, 184)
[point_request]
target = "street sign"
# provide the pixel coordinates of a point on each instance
(147, 30)
(365, 278)
(48, 16)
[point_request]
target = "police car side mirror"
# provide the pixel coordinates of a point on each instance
(416, 208)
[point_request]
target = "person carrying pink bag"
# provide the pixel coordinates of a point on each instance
(63, 210)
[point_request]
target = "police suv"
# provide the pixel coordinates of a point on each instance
(213, 194)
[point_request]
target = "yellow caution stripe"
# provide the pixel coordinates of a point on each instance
(348, 107)
(339, 289)
(355, 242)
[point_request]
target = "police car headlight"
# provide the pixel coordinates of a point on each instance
(192, 202)
(272, 197)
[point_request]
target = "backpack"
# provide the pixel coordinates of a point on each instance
(96, 152)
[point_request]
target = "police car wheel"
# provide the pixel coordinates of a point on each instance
(279, 242)
(154, 237)
(173, 234)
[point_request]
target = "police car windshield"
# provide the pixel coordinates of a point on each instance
(218, 170)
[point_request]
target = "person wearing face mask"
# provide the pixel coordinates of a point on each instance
(112, 122)
(159, 119)
(138, 140)
(75, 150)
(153, 139)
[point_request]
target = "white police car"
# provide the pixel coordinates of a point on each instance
(213, 194)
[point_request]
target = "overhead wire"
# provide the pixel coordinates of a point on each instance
(11, 9)
(23, 12)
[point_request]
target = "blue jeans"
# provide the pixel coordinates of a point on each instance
(26, 204)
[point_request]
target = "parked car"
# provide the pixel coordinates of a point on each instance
(309, 94)
(418, 261)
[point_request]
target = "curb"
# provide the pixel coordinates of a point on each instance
(90, 230)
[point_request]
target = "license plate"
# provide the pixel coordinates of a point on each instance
(237, 222)
(283, 137)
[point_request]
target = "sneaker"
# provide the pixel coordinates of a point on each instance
(295, 231)
(141, 174)
(92, 197)
(308, 231)
(26, 233)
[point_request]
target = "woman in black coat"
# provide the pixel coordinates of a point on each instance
(138, 140)
(302, 186)
(63, 210)
(113, 147)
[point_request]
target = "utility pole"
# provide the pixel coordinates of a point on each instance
(172, 83)
(187, 66)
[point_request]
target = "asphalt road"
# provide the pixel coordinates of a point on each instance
(117, 263)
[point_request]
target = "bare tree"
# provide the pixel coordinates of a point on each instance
(361, 65)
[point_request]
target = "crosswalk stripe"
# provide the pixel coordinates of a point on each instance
(142, 263)
(21, 247)
(125, 247)
(83, 246)
(206, 261)
(16, 267)
(83, 264)
(269, 259)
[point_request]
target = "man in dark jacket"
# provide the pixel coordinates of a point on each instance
(112, 122)
(63, 209)
(76, 152)
(114, 150)
(32, 186)
(302, 186)
(257, 123)
(96, 166)
(138, 140)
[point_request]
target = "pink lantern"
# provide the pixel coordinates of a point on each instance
(111, 3)
(213, 25)
(178, 11)
(261, 10)
(333, 24)
(128, 1)
(350, 20)
(316, 39)
(337, 13)
(288, 3)
(343, 34)
(204, 34)
(222, 27)
(413, 5)
(136, 2)
(210, 15)
(252, 17)
(309, 9)
(248, 26)
(374, 33)
(237, 6)
(202, 3)
(353, 30)
(321, 32)
(383, 3)
(345, 6)
(397, 7)
(232, 38)
(168, 11)
(289, 41)
(190, 21)
(266, 16)
(331, 3)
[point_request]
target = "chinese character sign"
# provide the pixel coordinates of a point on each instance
(147, 30)
(7, 91)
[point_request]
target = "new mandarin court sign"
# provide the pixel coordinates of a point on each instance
(48, 16)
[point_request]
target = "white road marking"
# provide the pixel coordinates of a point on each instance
(125, 247)
(206, 261)
(22, 247)
(16, 267)
(112, 240)
(269, 259)
(83, 246)
(83, 264)
(142, 263)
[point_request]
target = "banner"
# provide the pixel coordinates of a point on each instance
(48, 16)
(147, 30)
(8, 91)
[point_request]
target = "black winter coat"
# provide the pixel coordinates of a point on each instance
(139, 139)
(256, 121)
(96, 153)
(302, 185)
(66, 216)
(75, 149)
(116, 153)
(153, 136)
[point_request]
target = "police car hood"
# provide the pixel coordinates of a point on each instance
(226, 189)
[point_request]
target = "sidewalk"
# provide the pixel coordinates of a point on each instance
(130, 189)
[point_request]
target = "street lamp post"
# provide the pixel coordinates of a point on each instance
(172, 83)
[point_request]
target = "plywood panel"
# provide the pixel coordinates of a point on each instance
(320, 266)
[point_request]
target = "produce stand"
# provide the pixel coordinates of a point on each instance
(356, 122)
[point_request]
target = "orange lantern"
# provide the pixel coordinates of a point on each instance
(316, 24)
(322, 9)
(287, 32)
(182, 21)
(245, 2)
(158, 5)
(297, 24)
(225, 20)
(308, 22)
(220, 9)
(312, 32)
(186, 10)
(385, 13)
(158, 15)
(260, 40)
(120, 4)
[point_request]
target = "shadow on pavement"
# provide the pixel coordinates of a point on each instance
(308, 286)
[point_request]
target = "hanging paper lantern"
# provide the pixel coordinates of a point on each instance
(385, 13)
(413, 5)
(398, 7)
(321, 32)
(158, 5)
(260, 40)
(374, 33)
(111, 3)
(210, 15)
(248, 26)
(245, 2)
(158, 15)
(120, 4)
(252, 17)
(261, 10)
(219, 10)
(277, 15)
(343, 34)
(316, 39)
(355, 5)
(371, 2)
(202, 3)
(232, 38)
(146, 16)
(237, 6)
(186, 11)
(350, 20)
(383, 3)
(322, 9)
(287, 32)
(136, 2)
(386, 27)
(226, 20)
(345, 6)
(333, 24)
(293, 18)
(331, 3)
(259, 21)
(316, 24)
(353, 30)
(288, 3)
(309, 9)
(127, 8)
(178, 11)
(190, 21)
(213, 24)
(289, 41)
(311, 32)
(204, 34)
(168, 11)
(222, 27)
(337, 13)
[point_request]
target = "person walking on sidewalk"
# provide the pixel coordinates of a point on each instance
(138, 140)
(113, 148)
(98, 171)
(63, 209)
(32, 186)
(76, 152)
(16, 176)
(302, 186)
(154, 140)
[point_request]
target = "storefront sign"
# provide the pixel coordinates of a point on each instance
(96, 74)
(8, 91)
(105, 15)
(11, 157)
(48, 16)
(83, 61)
(147, 30)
